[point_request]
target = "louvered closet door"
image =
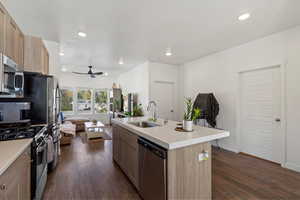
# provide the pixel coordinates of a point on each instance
(261, 133)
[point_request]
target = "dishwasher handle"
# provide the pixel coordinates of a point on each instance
(157, 150)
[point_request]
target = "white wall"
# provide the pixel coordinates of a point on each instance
(218, 73)
(136, 80)
(168, 73)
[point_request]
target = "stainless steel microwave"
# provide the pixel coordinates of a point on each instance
(11, 79)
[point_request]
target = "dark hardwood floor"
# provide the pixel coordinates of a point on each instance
(86, 171)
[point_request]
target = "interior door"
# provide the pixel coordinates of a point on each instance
(261, 129)
(163, 94)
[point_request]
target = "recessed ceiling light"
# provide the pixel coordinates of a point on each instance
(82, 34)
(244, 16)
(121, 61)
(64, 69)
(168, 52)
(61, 53)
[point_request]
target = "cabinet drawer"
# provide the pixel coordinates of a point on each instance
(129, 138)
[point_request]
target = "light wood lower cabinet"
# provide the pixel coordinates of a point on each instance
(15, 181)
(125, 152)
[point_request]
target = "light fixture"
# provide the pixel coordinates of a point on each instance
(121, 61)
(61, 53)
(82, 34)
(168, 52)
(244, 16)
(105, 74)
(64, 69)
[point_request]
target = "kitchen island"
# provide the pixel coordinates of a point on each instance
(183, 159)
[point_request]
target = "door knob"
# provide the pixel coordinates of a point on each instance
(277, 120)
(172, 110)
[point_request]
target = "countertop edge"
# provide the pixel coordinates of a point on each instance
(174, 145)
(152, 139)
(13, 159)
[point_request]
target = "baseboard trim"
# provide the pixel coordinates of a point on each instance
(226, 148)
(292, 166)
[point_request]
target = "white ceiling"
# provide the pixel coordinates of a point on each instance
(140, 30)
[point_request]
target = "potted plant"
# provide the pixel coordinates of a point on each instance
(190, 115)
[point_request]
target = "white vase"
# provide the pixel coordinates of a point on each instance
(187, 125)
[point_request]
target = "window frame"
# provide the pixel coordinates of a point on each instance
(93, 111)
(92, 100)
(74, 101)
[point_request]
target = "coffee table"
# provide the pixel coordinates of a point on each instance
(94, 130)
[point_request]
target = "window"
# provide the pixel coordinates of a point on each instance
(84, 100)
(101, 101)
(67, 100)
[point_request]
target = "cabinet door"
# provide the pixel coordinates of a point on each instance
(10, 41)
(131, 163)
(15, 181)
(33, 54)
(116, 145)
(25, 176)
(20, 48)
(129, 153)
(2, 27)
(45, 60)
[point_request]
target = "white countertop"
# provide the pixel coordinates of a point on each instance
(167, 137)
(10, 151)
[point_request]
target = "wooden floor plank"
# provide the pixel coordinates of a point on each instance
(86, 171)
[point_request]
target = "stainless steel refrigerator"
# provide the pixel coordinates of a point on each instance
(44, 95)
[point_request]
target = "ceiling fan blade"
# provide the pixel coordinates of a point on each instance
(80, 73)
(98, 73)
(93, 76)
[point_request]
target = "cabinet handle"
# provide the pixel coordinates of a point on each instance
(3, 187)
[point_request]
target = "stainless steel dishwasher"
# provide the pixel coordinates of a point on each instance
(152, 170)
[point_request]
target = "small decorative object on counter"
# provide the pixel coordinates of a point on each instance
(94, 121)
(190, 115)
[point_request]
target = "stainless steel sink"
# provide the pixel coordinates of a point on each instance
(144, 124)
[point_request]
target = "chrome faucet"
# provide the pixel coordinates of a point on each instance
(154, 113)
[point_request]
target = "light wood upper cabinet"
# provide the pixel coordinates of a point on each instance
(20, 48)
(10, 38)
(45, 60)
(15, 181)
(36, 56)
(3, 14)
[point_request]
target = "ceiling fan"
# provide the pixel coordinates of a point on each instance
(90, 73)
